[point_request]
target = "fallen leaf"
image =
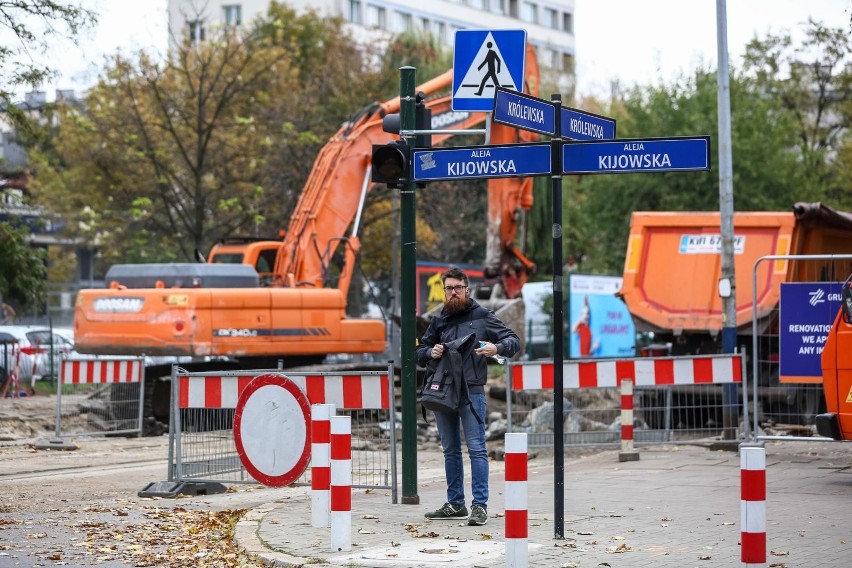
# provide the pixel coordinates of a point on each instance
(705, 557)
(779, 553)
(366, 531)
(369, 517)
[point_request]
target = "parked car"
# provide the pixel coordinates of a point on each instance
(27, 349)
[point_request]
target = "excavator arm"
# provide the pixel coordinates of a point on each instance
(317, 250)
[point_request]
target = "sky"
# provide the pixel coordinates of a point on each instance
(633, 41)
(654, 41)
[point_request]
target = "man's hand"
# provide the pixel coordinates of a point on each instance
(437, 351)
(486, 349)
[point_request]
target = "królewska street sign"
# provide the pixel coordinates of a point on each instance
(478, 162)
(523, 111)
(673, 154)
(538, 115)
(581, 125)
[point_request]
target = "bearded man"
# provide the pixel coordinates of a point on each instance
(461, 316)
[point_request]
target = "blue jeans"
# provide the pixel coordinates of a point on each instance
(450, 426)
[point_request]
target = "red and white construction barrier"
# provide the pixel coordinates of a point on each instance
(341, 483)
(753, 506)
(320, 463)
(97, 371)
(516, 517)
(711, 369)
(344, 391)
(627, 453)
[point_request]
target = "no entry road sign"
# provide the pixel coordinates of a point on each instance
(479, 162)
(674, 154)
(271, 430)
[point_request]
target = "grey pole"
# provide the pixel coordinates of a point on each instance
(727, 287)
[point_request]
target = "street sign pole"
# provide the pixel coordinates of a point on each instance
(558, 437)
(407, 288)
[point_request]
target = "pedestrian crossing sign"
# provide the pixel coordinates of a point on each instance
(484, 60)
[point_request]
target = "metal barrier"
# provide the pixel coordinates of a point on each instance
(787, 410)
(100, 395)
(202, 446)
(675, 398)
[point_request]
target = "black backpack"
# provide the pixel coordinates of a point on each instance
(445, 389)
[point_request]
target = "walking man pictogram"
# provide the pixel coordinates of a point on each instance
(492, 60)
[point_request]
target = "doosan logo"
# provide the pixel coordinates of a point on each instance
(118, 305)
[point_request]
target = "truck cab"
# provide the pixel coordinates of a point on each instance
(836, 423)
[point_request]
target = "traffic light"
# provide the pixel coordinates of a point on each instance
(391, 163)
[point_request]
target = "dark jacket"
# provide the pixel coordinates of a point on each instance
(475, 319)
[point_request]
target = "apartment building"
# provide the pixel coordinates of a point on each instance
(549, 23)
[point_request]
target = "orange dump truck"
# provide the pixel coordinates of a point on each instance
(673, 267)
(671, 284)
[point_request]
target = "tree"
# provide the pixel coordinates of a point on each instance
(23, 272)
(813, 81)
(31, 24)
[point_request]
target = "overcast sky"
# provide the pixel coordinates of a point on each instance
(649, 41)
(634, 41)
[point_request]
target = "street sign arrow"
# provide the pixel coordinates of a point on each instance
(673, 154)
(479, 162)
(582, 125)
(523, 111)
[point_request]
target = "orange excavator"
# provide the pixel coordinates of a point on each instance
(255, 303)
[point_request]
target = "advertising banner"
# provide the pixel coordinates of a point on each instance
(599, 323)
(807, 311)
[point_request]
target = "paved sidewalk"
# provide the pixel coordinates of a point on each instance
(677, 506)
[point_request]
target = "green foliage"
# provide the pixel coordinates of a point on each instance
(27, 26)
(23, 272)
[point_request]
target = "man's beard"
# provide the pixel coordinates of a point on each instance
(455, 304)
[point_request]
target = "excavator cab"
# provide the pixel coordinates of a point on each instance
(837, 373)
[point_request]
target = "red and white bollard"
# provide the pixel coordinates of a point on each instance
(627, 452)
(753, 506)
(320, 463)
(341, 483)
(516, 516)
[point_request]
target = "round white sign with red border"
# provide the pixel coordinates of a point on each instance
(272, 430)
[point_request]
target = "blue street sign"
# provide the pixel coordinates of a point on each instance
(678, 153)
(484, 60)
(581, 125)
(479, 162)
(523, 111)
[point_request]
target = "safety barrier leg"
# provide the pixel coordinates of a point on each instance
(341, 484)
(320, 463)
(753, 506)
(627, 452)
(516, 514)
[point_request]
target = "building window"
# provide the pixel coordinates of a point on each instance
(232, 15)
(197, 31)
(551, 18)
(354, 15)
(568, 23)
(498, 6)
(529, 12)
(376, 17)
(402, 22)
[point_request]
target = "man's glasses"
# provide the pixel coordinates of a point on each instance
(458, 289)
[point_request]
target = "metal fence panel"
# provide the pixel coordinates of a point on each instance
(786, 410)
(676, 399)
(100, 395)
(203, 410)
